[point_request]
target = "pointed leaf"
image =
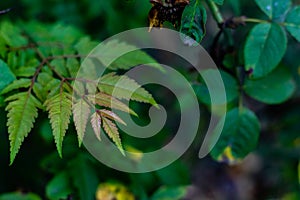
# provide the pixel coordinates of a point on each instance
(264, 49)
(22, 111)
(121, 87)
(111, 115)
(60, 109)
(20, 83)
(110, 102)
(81, 112)
(96, 124)
(112, 131)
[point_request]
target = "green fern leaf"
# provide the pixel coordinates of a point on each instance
(60, 109)
(96, 124)
(81, 112)
(121, 87)
(112, 131)
(111, 115)
(22, 111)
(110, 102)
(20, 83)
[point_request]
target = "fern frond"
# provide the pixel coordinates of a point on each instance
(60, 109)
(112, 131)
(111, 115)
(20, 83)
(22, 111)
(81, 112)
(96, 124)
(110, 102)
(122, 86)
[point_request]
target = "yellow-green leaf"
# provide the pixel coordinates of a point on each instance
(22, 111)
(81, 112)
(123, 87)
(110, 102)
(60, 109)
(112, 131)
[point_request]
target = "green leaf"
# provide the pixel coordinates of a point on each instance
(239, 136)
(60, 109)
(19, 196)
(72, 66)
(25, 71)
(275, 88)
(292, 22)
(265, 46)
(85, 46)
(170, 193)
(6, 76)
(59, 187)
(122, 87)
(193, 22)
(110, 102)
(96, 124)
(17, 84)
(220, 2)
(112, 131)
(274, 9)
(111, 115)
(131, 58)
(84, 177)
(22, 111)
(230, 83)
(60, 67)
(12, 35)
(81, 112)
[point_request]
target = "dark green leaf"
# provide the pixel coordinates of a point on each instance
(230, 83)
(264, 49)
(274, 9)
(6, 76)
(84, 177)
(275, 88)
(193, 22)
(292, 22)
(11, 34)
(59, 187)
(239, 136)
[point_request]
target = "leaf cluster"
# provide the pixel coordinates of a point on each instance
(38, 72)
